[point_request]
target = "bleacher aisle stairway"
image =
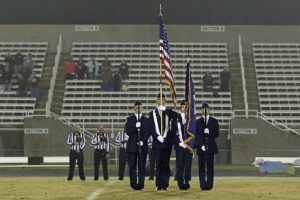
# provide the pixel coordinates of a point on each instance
(44, 84)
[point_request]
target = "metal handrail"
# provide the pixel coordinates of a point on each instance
(257, 114)
(243, 75)
(54, 73)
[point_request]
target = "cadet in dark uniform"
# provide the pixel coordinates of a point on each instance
(101, 144)
(137, 128)
(121, 140)
(76, 141)
(162, 142)
(207, 131)
(184, 156)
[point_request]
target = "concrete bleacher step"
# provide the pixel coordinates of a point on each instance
(143, 62)
(278, 68)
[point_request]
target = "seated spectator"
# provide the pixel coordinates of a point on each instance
(70, 70)
(22, 83)
(225, 80)
(34, 86)
(19, 59)
(207, 82)
(116, 81)
(106, 76)
(6, 78)
(123, 70)
(92, 69)
(81, 69)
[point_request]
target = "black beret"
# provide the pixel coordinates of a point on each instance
(137, 103)
(158, 96)
(205, 105)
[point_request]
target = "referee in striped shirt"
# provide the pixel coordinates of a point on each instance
(76, 141)
(151, 159)
(101, 144)
(121, 140)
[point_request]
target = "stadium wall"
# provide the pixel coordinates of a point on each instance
(11, 143)
(149, 33)
(229, 12)
(269, 141)
(52, 143)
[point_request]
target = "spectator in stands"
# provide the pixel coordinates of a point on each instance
(70, 70)
(26, 72)
(19, 59)
(22, 84)
(92, 69)
(106, 63)
(106, 76)
(81, 69)
(6, 77)
(207, 82)
(34, 86)
(11, 62)
(116, 80)
(123, 69)
(28, 62)
(225, 80)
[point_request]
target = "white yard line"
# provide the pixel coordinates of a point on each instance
(97, 193)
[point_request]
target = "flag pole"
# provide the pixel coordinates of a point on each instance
(160, 84)
(187, 106)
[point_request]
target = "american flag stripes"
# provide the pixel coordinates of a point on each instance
(165, 59)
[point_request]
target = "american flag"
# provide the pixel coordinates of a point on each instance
(165, 58)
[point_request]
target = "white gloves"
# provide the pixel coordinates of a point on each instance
(160, 139)
(162, 108)
(182, 145)
(203, 148)
(206, 131)
(140, 144)
(138, 125)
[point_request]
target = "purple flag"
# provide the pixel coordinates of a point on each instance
(190, 99)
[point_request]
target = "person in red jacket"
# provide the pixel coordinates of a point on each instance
(70, 69)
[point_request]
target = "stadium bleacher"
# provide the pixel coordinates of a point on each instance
(13, 109)
(277, 70)
(86, 104)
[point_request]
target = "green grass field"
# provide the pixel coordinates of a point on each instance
(238, 188)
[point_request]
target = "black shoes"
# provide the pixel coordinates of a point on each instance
(206, 188)
(158, 188)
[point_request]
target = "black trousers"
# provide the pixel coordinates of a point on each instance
(73, 157)
(122, 162)
(100, 155)
(206, 170)
(163, 172)
(136, 161)
(183, 167)
(151, 163)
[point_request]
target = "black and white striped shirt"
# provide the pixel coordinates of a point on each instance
(122, 139)
(73, 138)
(101, 141)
